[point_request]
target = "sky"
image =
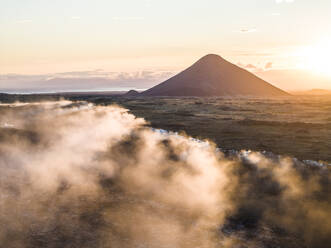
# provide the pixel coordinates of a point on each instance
(287, 42)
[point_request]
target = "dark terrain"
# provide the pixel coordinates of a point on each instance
(299, 127)
(294, 126)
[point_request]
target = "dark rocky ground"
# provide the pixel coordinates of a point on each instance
(294, 126)
(297, 126)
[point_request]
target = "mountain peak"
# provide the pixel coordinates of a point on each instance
(214, 76)
(211, 57)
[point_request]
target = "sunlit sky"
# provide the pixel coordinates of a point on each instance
(53, 36)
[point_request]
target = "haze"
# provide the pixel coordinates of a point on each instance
(165, 123)
(139, 43)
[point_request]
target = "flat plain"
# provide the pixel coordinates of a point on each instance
(294, 126)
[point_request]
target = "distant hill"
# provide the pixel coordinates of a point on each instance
(295, 79)
(131, 93)
(313, 92)
(214, 76)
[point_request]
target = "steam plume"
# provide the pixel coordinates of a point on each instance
(79, 175)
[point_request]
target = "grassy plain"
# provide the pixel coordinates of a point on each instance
(298, 126)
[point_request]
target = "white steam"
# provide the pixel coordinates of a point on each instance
(79, 175)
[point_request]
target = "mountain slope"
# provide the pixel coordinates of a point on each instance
(214, 76)
(131, 93)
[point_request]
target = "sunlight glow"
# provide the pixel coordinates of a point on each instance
(316, 58)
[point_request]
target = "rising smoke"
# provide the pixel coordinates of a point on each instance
(79, 175)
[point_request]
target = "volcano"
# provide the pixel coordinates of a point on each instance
(214, 76)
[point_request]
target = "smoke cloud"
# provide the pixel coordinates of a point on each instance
(78, 175)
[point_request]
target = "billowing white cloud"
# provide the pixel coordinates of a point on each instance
(78, 175)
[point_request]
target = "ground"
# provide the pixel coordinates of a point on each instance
(297, 126)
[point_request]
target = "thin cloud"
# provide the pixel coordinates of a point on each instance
(284, 1)
(82, 80)
(127, 18)
(256, 68)
(247, 30)
(24, 21)
(268, 65)
(250, 66)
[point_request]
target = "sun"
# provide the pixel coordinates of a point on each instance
(317, 57)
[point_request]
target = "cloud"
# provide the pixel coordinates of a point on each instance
(148, 3)
(127, 18)
(24, 21)
(268, 65)
(78, 175)
(82, 80)
(247, 30)
(256, 68)
(284, 1)
(250, 66)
